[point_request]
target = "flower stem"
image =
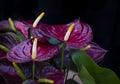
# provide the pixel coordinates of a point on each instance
(33, 70)
(62, 58)
(19, 71)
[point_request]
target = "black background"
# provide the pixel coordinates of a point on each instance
(102, 15)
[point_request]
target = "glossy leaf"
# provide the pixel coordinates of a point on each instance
(101, 75)
(23, 52)
(85, 76)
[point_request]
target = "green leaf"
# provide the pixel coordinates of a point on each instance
(101, 75)
(85, 76)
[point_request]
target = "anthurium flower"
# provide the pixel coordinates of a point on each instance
(22, 28)
(2, 54)
(23, 52)
(79, 37)
(8, 73)
(26, 27)
(96, 52)
(4, 24)
(9, 39)
(30, 81)
(46, 70)
(5, 27)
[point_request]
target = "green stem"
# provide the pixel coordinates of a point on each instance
(2, 47)
(33, 70)
(61, 45)
(19, 71)
(62, 58)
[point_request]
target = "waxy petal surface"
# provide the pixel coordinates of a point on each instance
(28, 29)
(48, 71)
(4, 23)
(8, 72)
(22, 28)
(96, 52)
(18, 25)
(80, 36)
(2, 54)
(9, 39)
(23, 52)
